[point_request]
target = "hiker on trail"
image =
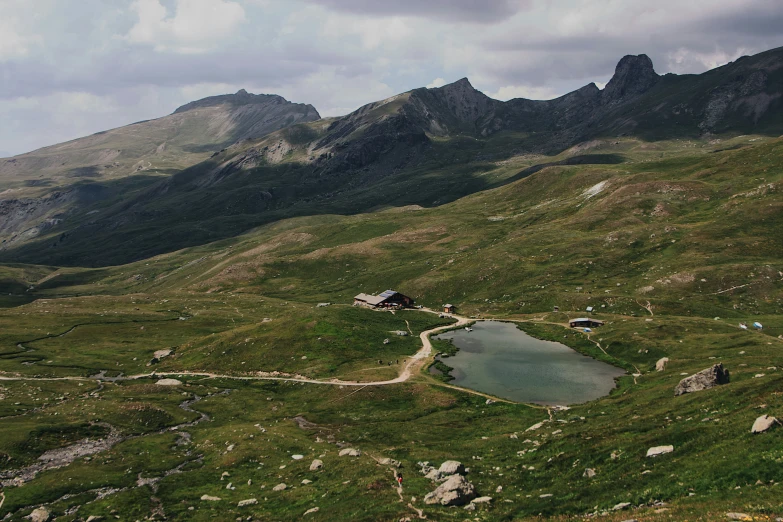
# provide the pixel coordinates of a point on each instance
(399, 480)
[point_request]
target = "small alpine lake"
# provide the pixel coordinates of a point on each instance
(500, 359)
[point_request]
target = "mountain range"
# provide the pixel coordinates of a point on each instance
(220, 166)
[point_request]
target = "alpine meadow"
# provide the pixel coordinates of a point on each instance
(245, 310)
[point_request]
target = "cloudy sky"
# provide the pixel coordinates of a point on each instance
(73, 67)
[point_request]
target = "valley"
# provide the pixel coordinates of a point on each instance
(185, 342)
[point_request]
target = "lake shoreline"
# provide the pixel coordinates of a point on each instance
(501, 358)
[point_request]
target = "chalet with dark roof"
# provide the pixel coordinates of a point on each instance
(387, 299)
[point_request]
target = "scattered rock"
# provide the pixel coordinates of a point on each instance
(248, 502)
(456, 491)
(40, 514)
(279, 487)
(452, 467)
(390, 462)
(621, 505)
(434, 475)
(169, 382)
(661, 364)
(482, 500)
(316, 465)
(536, 426)
(738, 516)
(350, 452)
(589, 473)
(546, 495)
(470, 507)
(160, 354)
(94, 518)
(703, 380)
(311, 511)
(659, 450)
(306, 482)
(210, 498)
(763, 423)
(297, 457)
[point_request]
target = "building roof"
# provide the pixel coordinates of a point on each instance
(370, 299)
(387, 294)
(585, 319)
(448, 306)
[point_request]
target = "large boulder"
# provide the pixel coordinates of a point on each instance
(316, 465)
(349, 452)
(456, 491)
(40, 514)
(452, 467)
(763, 423)
(659, 450)
(703, 380)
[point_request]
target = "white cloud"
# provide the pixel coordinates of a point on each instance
(14, 43)
(509, 92)
(685, 60)
(196, 27)
(437, 82)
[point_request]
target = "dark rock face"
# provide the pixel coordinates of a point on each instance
(466, 103)
(634, 75)
(703, 380)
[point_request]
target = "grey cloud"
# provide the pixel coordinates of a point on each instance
(764, 18)
(283, 50)
(472, 11)
(682, 46)
(120, 70)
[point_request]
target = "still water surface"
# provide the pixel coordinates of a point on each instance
(500, 359)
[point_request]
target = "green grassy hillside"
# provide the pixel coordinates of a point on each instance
(674, 247)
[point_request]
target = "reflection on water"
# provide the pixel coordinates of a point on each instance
(500, 359)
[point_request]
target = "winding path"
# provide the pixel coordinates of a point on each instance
(412, 365)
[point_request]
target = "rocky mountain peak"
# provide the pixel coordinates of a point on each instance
(464, 101)
(242, 97)
(633, 76)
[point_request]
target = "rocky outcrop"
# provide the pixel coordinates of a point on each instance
(703, 380)
(169, 382)
(659, 450)
(278, 112)
(452, 467)
(633, 76)
(455, 491)
(350, 452)
(764, 423)
(446, 470)
(40, 514)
